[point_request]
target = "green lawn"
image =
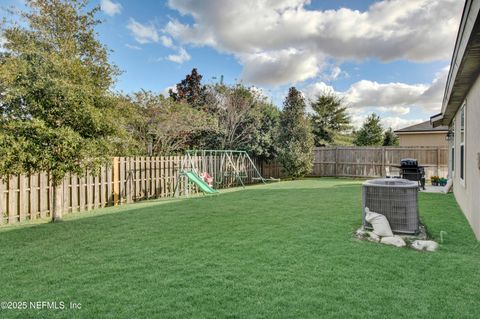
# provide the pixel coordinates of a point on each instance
(282, 250)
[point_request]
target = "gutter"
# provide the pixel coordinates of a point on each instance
(437, 120)
(465, 66)
(420, 132)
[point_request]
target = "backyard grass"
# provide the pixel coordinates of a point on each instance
(283, 250)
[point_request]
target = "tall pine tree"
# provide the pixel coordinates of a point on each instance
(329, 118)
(295, 137)
(390, 138)
(371, 132)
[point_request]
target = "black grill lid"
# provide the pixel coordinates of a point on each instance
(408, 162)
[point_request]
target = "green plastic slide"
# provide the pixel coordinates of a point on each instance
(197, 180)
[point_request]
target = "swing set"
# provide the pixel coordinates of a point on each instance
(211, 169)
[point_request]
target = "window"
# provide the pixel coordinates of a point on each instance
(462, 144)
(452, 150)
(452, 162)
(462, 160)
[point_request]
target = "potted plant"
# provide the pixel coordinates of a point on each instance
(442, 181)
(434, 179)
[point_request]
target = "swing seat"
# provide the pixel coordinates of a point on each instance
(235, 175)
(271, 179)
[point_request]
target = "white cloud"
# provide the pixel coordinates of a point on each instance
(179, 58)
(314, 89)
(395, 122)
(432, 98)
(188, 34)
(260, 32)
(133, 47)
(366, 93)
(399, 110)
(279, 67)
(111, 8)
(335, 73)
(397, 98)
(143, 33)
(167, 41)
(394, 100)
(165, 91)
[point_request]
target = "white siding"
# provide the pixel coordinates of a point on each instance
(467, 193)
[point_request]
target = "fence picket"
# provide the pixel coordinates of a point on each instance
(3, 201)
(66, 194)
(118, 176)
(22, 197)
(74, 193)
(40, 189)
(89, 186)
(12, 199)
(103, 187)
(82, 193)
(148, 177)
(157, 177)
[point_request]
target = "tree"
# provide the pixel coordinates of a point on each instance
(329, 118)
(296, 139)
(55, 76)
(191, 91)
(371, 132)
(246, 121)
(233, 106)
(263, 142)
(390, 138)
(163, 126)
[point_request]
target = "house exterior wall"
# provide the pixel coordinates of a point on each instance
(467, 192)
(423, 139)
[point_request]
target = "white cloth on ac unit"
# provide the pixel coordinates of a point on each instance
(379, 222)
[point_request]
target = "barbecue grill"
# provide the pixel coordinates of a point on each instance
(410, 170)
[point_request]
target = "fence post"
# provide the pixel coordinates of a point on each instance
(2, 199)
(65, 193)
(115, 180)
(129, 174)
(383, 162)
(438, 161)
(89, 200)
(336, 161)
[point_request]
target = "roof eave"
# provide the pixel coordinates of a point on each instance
(421, 132)
(437, 120)
(464, 68)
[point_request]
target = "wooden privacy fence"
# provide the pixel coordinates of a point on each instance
(369, 161)
(126, 180)
(129, 179)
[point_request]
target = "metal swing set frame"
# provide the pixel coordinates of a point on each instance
(231, 167)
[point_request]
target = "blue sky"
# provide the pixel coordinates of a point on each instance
(388, 57)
